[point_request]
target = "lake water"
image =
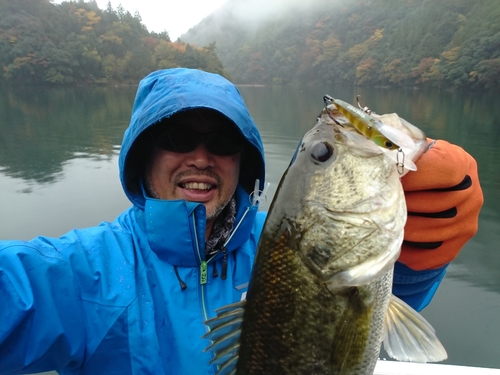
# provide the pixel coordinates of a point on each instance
(58, 170)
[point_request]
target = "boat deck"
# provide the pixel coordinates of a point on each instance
(407, 368)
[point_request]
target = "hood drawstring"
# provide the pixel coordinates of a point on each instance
(181, 283)
(223, 275)
(215, 273)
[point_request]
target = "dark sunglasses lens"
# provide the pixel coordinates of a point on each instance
(177, 139)
(182, 139)
(224, 142)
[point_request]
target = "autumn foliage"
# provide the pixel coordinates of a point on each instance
(439, 43)
(76, 42)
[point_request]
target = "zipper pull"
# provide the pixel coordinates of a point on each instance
(215, 273)
(203, 273)
(223, 275)
(181, 283)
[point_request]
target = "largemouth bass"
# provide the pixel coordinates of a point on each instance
(319, 299)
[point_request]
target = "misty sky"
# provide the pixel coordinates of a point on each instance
(174, 16)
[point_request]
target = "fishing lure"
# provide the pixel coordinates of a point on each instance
(383, 135)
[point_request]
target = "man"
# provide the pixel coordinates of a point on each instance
(130, 297)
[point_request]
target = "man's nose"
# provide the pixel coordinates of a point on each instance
(200, 157)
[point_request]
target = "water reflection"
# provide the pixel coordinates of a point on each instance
(41, 128)
(85, 192)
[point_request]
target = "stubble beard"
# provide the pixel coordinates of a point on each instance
(212, 214)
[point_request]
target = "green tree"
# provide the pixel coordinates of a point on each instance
(366, 71)
(140, 63)
(393, 72)
(488, 73)
(165, 55)
(75, 42)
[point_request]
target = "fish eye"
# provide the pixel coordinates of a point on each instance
(321, 152)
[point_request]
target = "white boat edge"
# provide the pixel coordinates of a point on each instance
(385, 367)
(408, 368)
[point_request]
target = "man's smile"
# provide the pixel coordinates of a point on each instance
(196, 186)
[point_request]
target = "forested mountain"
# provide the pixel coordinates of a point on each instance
(76, 42)
(442, 43)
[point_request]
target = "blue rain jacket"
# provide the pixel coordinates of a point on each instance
(110, 299)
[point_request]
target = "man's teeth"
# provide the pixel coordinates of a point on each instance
(196, 186)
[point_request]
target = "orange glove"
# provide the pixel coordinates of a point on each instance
(443, 198)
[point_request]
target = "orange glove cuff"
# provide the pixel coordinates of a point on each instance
(443, 199)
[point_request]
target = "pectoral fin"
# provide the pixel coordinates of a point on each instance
(409, 337)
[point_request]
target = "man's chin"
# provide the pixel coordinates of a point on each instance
(214, 210)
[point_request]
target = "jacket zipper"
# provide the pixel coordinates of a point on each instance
(204, 267)
(204, 264)
(203, 282)
(203, 273)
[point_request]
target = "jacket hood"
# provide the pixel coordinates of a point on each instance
(166, 92)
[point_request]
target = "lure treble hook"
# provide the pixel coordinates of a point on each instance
(327, 98)
(364, 109)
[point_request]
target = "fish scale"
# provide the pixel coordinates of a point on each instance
(287, 316)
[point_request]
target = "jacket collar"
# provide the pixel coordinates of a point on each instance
(175, 229)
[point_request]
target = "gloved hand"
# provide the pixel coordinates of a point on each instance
(443, 198)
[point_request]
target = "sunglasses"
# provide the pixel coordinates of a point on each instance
(181, 139)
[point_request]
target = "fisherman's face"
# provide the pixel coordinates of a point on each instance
(200, 174)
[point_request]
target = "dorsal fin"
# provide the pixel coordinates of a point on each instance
(225, 330)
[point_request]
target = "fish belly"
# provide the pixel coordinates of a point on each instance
(293, 324)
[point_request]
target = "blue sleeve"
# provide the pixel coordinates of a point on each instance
(42, 326)
(416, 288)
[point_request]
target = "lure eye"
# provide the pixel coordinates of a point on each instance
(388, 144)
(321, 152)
